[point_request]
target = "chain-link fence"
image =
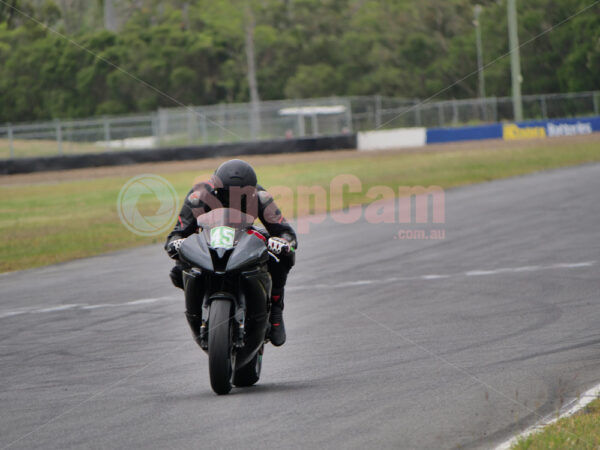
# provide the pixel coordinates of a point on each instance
(380, 112)
(238, 122)
(282, 119)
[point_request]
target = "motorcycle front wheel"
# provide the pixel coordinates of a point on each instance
(221, 359)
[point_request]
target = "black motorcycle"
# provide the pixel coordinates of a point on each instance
(227, 291)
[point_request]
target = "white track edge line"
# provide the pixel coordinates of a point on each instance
(578, 404)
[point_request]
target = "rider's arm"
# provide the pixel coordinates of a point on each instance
(197, 202)
(271, 217)
(186, 222)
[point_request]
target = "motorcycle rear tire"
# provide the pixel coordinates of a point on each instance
(250, 373)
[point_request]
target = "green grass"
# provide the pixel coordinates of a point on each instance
(48, 223)
(24, 148)
(578, 432)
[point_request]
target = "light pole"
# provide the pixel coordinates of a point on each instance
(515, 60)
(477, 9)
(109, 16)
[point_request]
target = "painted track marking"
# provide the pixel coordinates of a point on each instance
(571, 408)
(428, 277)
(82, 306)
(432, 277)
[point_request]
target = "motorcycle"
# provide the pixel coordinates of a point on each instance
(227, 288)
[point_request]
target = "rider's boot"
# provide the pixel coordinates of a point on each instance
(277, 335)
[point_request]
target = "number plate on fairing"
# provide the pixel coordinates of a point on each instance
(222, 237)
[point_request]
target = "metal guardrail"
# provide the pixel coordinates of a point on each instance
(224, 123)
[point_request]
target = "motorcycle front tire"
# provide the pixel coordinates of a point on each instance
(220, 346)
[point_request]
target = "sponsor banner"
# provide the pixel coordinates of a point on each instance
(474, 133)
(514, 131)
(389, 139)
(550, 128)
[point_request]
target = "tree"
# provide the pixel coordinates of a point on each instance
(206, 52)
(7, 11)
(249, 25)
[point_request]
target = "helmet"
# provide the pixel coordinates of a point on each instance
(240, 176)
(236, 172)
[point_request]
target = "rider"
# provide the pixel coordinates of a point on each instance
(234, 185)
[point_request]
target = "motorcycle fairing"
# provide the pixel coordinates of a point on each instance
(195, 252)
(250, 250)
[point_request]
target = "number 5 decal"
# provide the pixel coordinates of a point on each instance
(222, 237)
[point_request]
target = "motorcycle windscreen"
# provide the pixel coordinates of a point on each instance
(249, 251)
(194, 251)
(223, 227)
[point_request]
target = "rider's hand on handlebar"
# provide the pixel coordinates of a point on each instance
(278, 245)
(173, 248)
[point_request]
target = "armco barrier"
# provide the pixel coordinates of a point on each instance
(390, 139)
(26, 165)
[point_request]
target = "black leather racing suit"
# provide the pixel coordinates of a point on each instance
(202, 198)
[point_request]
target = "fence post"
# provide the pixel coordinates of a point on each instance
(484, 109)
(106, 125)
(301, 125)
(59, 137)
(544, 107)
(418, 118)
(454, 112)
(11, 148)
(154, 125)
(251, 123)
(191, 132)
(595, 100)
(163, 126)
(254, 120)
(495, 108)
(349, 125)
(377, 111)
(315, 125)
(203, 128)
(221, 121)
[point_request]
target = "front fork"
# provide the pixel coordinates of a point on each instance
(194, 287)
(239, 317)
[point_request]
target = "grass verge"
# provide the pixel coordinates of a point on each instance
(578, 432)
(54, 222)
(23, 148)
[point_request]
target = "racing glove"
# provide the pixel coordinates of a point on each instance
(278, 245)
(173, 248)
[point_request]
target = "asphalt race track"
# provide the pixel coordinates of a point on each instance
(392, 343)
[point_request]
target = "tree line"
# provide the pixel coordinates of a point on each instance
(57, 59)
